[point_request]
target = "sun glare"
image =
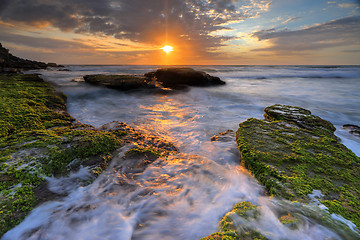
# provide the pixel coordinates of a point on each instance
(167, 48)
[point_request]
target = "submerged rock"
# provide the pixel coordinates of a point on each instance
(230, 226)
(295, 153)
(180, 77)
(227, 136)
(161, 81)
(280, 219)
(353, 129)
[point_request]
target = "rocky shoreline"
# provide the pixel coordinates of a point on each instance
(297, 157)
(12, 64)
(292, 153)
(38, 140)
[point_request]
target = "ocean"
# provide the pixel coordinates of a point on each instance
(194, 189)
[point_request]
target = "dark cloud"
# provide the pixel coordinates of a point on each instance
(36, 42)
(137, 20)
(339, 32)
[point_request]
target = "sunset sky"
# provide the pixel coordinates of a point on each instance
(200, 31)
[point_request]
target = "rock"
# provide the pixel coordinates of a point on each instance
(162, 81)
(229, 225)
(301, 117)
(180, 77)
(120, 82)
(353, 129)
(38, 139)
(52, 65)
(242, 222)
(145, 141)
(295, 153)
(13, 64)
(227, 136)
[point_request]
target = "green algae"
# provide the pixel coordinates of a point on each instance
(38, 139)
(294, 154)
(230, 230)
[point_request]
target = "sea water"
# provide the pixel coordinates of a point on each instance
(184, 196)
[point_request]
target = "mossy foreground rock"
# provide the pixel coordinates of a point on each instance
(38, 139)
(295, 153)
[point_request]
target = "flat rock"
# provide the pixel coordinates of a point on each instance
(180, 77)
(162, 81)
(300, 116)
(120, 82)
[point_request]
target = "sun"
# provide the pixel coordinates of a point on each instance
(167, 48)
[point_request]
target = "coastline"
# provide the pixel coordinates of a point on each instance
(39, 140)
(57, 131)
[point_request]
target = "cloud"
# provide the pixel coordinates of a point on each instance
(290, 20)
(336, 33)
(39, 42)
(189, 21)
(347, 5)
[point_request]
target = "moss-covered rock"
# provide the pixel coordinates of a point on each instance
(230, 229)
(295, 153)
(38, 139)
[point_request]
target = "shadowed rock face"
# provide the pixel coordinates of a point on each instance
(177, 77)
(163, 80)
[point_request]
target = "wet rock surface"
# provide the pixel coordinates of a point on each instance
(300, 116)
(294, 221)
(226, 136)
(296, 153)
(40, 141)
(120, 82)
(353, 129)
(180, 77)
(161, 81)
